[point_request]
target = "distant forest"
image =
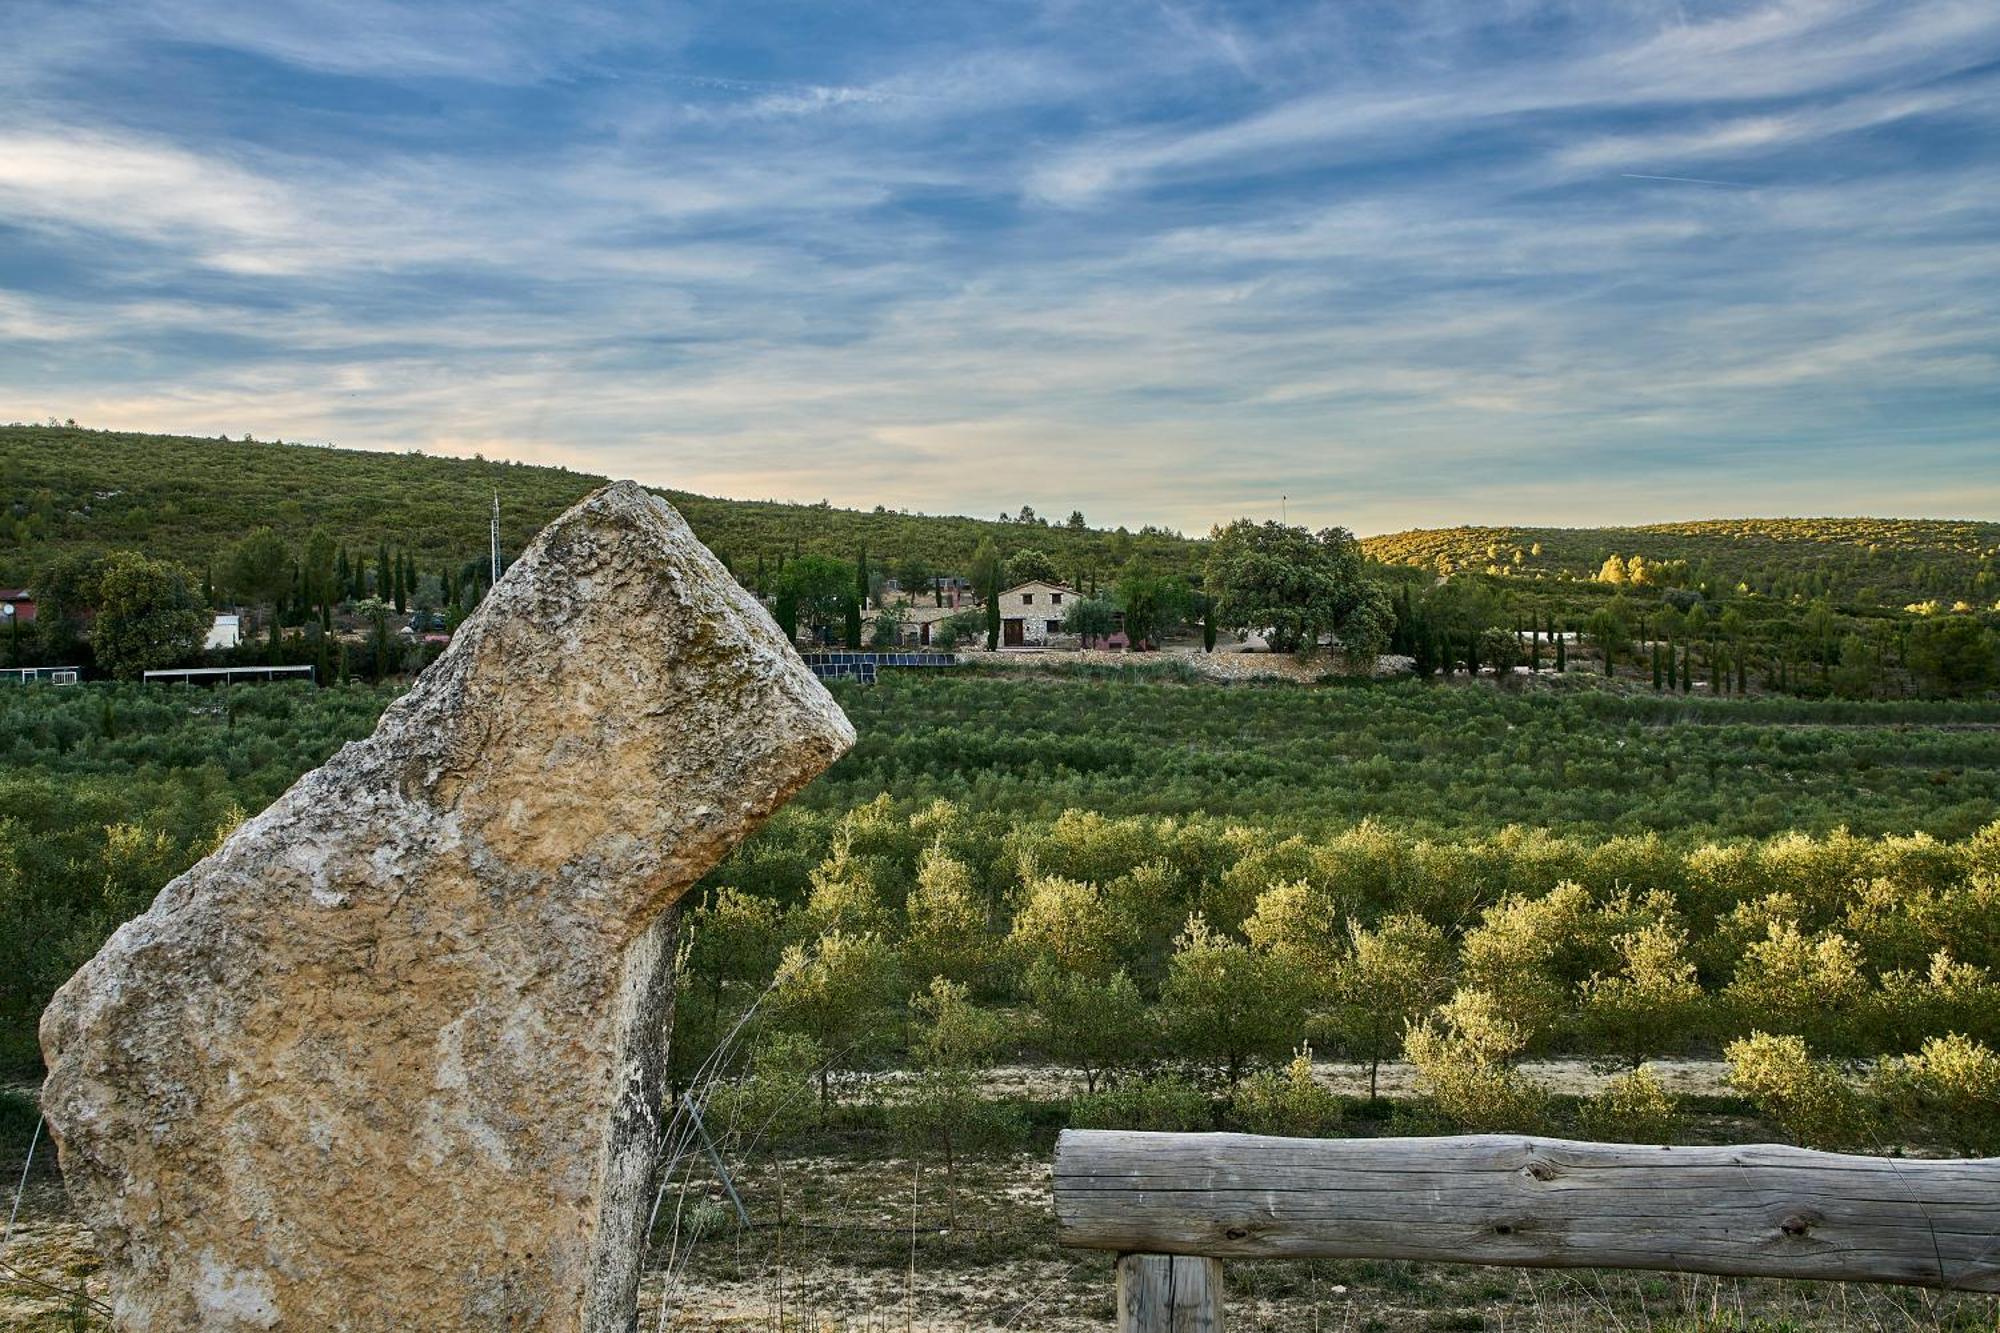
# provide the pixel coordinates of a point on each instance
(1853, 608)
(188, 499)
(1853, 562)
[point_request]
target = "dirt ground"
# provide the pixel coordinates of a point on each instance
(868, 1246)
(1397, 1080)
(860, 1236)
(1227, 662)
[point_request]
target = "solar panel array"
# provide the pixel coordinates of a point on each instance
(861, 666)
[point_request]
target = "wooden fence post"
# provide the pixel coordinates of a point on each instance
(1169, 1293)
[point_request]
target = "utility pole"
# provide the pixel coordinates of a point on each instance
(496, 540)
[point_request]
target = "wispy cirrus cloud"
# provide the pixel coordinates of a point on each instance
(1164, 262)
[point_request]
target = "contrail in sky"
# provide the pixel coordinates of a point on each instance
(1685, 180)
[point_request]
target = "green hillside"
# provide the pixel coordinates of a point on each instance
(1851, 561)
(185, 498)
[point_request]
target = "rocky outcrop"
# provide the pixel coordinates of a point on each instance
(391, 1057)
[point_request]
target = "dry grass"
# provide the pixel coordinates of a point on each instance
(863, 1246)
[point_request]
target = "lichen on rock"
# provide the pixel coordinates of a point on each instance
(391, 1057)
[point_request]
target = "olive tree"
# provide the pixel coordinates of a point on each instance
(946, 920)
(1227, 1005)
(954, 1043)
(837, 991)
(1089, 1023)
(1390, 977)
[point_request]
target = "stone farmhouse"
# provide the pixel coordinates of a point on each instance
(919, 619)
(1032, 613)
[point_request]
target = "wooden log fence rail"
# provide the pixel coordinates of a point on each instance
(1174, 1205)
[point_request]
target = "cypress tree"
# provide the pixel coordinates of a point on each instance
(1742, 672)
(1534, 648)
(993, 617)
(383, 579)
(1687, 669)
(1610, 650)
(1472, 653)
(1673, 670)
(760, 574)
(853, 635)
(861, 580)
(1562, 652)
(1656, 668)
(399, 594)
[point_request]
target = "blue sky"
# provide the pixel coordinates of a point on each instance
(1411, 263)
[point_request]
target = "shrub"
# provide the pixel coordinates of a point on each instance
(1290, 1102)
(962, 627)
(1952, 1086)
(1810, 1100)
(1651, 1005)
(1807, 986)
(1635, 1107)
(776, 1100)
(1165, 1103)
(1465, 1066)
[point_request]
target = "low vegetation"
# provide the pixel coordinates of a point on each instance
(191, 499)
(1165, 885)
(1849, 561)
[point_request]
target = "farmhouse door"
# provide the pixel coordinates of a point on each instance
(1011, 633)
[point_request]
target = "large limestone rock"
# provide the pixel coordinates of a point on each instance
(390, 1058)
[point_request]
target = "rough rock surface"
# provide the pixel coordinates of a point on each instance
(389, 1059)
